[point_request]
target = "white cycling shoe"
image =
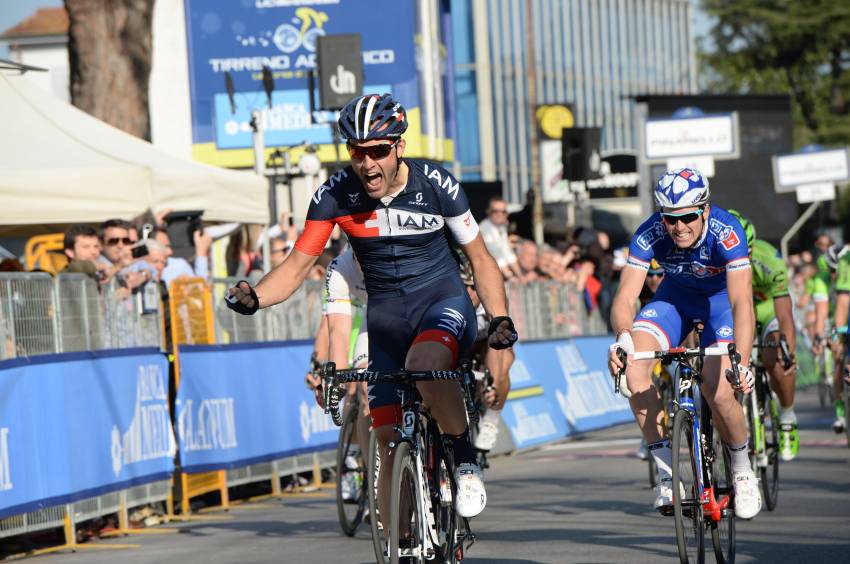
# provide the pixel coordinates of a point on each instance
(488, 432)
(747, 494)
(664, 493)
(471, 496)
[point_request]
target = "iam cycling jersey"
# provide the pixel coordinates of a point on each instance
(842, 275)
(402, 246)
(345, 294)
(694, 285)
(770, 281)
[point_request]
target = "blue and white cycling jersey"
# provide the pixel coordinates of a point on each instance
(694, 285)
(703, 267)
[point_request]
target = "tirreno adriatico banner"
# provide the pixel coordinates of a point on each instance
(405, 50)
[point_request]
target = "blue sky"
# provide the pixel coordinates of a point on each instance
(13, 12)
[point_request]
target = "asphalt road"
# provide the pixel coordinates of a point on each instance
(584, 500)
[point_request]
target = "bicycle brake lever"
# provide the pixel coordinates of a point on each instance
(619, 388)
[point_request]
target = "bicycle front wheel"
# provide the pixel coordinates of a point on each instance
(723, 531)
(374, 468)
(351, 494)
(770, 472)
(406, 528)
(687, 505)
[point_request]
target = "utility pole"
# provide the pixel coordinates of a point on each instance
(531, 78)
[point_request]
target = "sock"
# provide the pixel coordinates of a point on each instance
(740, 457)
(839, 409)
(663, 456)
(787, 415)
(462, 447)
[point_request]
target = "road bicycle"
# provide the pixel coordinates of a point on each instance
(703, 496)
(761, 408)
(423, 523)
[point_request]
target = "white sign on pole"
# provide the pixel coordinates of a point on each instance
(714, 135)
(815, 192)
(789, 171)
(555, 188)
(701, 163)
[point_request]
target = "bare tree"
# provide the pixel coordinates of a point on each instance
(109, 45)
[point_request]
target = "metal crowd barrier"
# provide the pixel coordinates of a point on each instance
(40, 314)
(43, 315)
(296, 318)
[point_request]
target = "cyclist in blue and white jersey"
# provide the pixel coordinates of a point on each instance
(402, 217)
(703, 250)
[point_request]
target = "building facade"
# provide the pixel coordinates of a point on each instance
(592, 55)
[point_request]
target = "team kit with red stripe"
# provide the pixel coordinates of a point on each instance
(694, 285)
(404, 246)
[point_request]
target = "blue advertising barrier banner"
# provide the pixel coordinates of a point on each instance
(242, 404)
(78, 425)
(559, 388)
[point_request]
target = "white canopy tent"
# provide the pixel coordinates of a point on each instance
(59, 165)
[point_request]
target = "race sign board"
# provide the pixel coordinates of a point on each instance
(810, 167)
(715, 135)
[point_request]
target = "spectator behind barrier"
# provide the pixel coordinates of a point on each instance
(494, 231)
(177, 267)
(527, 260)
(279, 249)
(118, 237)
(82, 247)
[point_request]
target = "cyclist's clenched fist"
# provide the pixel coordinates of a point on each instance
(242, 299)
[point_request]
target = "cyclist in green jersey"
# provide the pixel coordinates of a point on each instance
(774, 316)
(838, 257)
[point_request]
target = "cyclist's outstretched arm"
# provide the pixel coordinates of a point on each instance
(488, 278)
(842, 306)
(739, 284)
(623, 312)
(280, 283)
(784, 309)
(623, 306)
(339, 334)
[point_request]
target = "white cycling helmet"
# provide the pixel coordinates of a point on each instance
(681, 188)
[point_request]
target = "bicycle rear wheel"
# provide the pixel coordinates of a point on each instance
(443, 491)
(374, 468)
(351, 494)
(687, 506)
(770, 472)
(723, 531)
(405, 522)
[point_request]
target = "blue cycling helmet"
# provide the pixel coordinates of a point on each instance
(681, 188)
(373, 116)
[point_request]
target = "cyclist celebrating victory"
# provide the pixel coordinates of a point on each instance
(401, 217)
(708, 277)
(775, 315)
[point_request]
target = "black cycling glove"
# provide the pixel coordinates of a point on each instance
(241, 308)
(494, 324)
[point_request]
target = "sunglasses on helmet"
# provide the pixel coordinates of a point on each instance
(687, 217)
(375, 152)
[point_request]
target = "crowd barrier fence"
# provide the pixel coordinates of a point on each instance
(559, 384)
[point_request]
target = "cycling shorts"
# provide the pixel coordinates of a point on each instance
(669, 316)
(441, 313)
